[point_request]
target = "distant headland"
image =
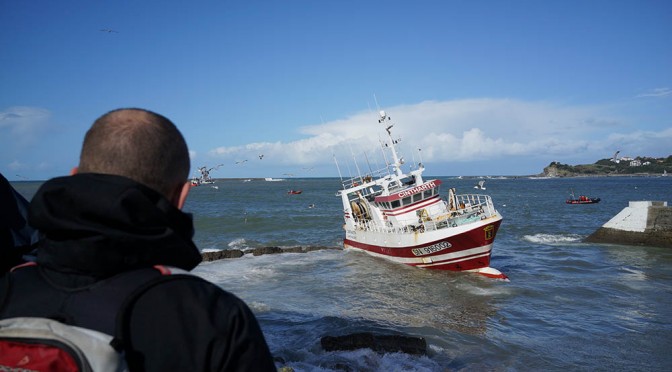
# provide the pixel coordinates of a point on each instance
(615, 166)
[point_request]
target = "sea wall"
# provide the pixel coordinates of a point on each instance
(643, 223)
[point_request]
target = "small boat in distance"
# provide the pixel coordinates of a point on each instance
(582, 199)
(401, 217)
(204, 178)
(294, 192)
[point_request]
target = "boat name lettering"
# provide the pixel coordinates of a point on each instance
(431, 248)
(415, 190)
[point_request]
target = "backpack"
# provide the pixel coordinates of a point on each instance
(43, 344)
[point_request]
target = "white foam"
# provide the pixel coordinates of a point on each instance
(553, 238)
(238, 243)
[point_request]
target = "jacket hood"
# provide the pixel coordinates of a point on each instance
(99, 225)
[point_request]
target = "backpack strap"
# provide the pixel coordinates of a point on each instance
(121, 340)
(122, 324)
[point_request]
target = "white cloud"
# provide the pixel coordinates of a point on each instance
(21, 125)
(457, 131)
(642, 142)
(657, 92)
(15, 165)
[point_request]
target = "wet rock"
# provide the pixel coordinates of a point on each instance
(266, 250)
(236, 253)
(218, 255)
(378, 343)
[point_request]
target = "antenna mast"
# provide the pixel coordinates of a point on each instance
(395, 157)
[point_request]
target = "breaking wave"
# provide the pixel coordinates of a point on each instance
(553, 238)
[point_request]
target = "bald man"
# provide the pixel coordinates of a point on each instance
(116, 215)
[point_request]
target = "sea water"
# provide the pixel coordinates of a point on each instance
(568, 305)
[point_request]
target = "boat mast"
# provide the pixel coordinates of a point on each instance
(395, 157)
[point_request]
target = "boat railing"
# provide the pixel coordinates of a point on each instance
(477, 202)
(472, 208)
(362, 179)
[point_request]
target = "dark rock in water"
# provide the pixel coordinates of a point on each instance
(218, 255)
(236, 253)
(378, 343)
(266, 250)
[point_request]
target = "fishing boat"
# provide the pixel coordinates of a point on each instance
(582, 199)
(204, 177)
(294, 192)
(402, 217)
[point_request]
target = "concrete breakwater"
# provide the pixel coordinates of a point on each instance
(236, 253)
(643, 223)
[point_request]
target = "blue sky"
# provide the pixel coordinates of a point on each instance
(481, 87)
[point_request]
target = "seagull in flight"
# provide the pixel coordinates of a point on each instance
(261, 156)
(109, 30)
(240, 162)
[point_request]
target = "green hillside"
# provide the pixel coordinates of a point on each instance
(609, 167)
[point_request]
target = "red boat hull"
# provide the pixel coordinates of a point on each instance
(469, 250)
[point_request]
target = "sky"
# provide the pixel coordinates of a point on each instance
(472, 87)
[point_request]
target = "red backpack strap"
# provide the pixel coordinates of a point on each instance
(26, 264)
(169, 270)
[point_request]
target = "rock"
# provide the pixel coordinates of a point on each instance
(218, 255)
(266, 250)
(236, 253)
(378, 343)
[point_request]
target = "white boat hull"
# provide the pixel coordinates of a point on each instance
(461, 248)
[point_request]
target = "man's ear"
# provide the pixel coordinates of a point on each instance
(180, 196)
(74, 171)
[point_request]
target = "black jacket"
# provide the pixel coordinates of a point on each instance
(97, 226)
(16, 236)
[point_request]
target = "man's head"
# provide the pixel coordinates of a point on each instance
(141, 145)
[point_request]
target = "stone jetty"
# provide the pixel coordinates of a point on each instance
(643, 223)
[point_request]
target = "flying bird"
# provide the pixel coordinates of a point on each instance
(261, 156)
(109, 30)
(241, 161)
